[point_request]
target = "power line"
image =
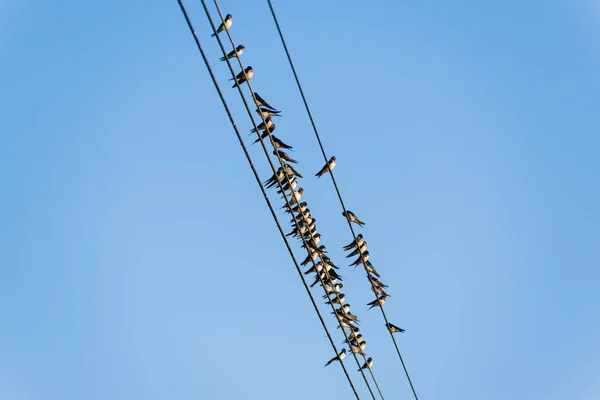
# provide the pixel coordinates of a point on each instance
(256, 176)
(280, 160)
(335, 184)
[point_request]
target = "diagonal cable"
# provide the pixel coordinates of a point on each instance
(335, 184)
(273, 214)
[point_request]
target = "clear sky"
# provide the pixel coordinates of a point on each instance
(139, 261)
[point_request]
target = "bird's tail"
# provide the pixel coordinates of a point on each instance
(213, 35)
(223, 58)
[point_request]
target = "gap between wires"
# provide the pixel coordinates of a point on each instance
(335, 184)
(257, 178)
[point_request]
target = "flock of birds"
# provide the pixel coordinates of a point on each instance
(324, 270)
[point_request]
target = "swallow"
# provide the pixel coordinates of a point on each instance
(333, 289)
(346, 324)
(368, 364)
(303, 214)
(356, 349)
(339, 299)
(278, 144)
(260, 102)
(348, 317)
(314, 241)
(289, 170)
(357, 242)
(364, 256)
(352, 218)
(377, 282)
(338, 357)
(226, 24)
(296, 196)
(328, 261)
(359, 250)
(357, 338)
(287, 185)
(265, 112)
(334, 274)
(310, 257)
(327, 167)
(284, 156)
(369, 267)
(345, 308)
(393, 328)
(317, 268)
(379, 291)
(297, 208)
(234, 53)
(243, 76)
(378, 302)
(268, 123)
(265, 133)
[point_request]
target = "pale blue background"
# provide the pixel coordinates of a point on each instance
(138, 259)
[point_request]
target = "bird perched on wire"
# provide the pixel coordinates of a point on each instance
(226, 24)
(278, 144)
(338, 357)
(234, 53)
(327, 167)
(393, 328)
(266, 124)
(284, 156)
(364, 256)
(265, 112)
(260, 102)
(265, 133)
(378, 302)
(338, 299)
(359, 240)
(358, 250)
(243, 76)
(287, 186)
(289, 170)
(368, 364)
(352, 217)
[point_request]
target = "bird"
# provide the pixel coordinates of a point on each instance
(278, 144)
(260, 102)
(378, 302)
(265, 133)
(234, 53)
(352, 218)
(265, 112)
(369, 267)
(364, 256)
(327, 167)
(377, 282)
(357, 242)
(243, 76)
(291, 171)
(286, 186)
(339, 299)
(296, 196)
(276, 177)
(393, 328)
(368, 364)
(358, 250)
(379, 291)
(284, 156)
(298, 208)
(338, 357)
(356, 349)
(226, 24)
(334, 289)
(268, 123)
(356, 339)
(310, 257)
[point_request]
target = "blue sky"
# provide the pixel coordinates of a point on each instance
(137, 256)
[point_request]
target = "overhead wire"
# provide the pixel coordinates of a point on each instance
(279, 159)
(264, 193)
(291, 63)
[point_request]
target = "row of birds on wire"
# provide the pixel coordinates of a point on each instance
(286, 180)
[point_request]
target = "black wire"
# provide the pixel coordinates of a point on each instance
(268, 157)
(335, 184)
(249, 159)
